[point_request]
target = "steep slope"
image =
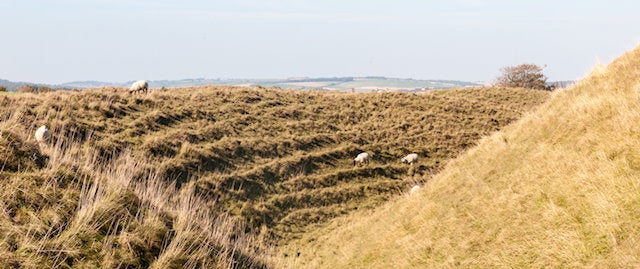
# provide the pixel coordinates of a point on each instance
(559, 188)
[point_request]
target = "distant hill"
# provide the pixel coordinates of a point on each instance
(358, 84)
(90, 84)
(368, 84)
(12, 86)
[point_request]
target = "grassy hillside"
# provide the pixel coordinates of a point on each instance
(177, 177)
(63, 206)
(560, 188)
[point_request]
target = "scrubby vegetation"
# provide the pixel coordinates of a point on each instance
(211, 176)
(527, 76)
(557, 189)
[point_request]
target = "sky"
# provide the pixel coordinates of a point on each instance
(116, 40)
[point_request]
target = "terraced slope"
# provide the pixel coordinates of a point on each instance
(62, 207)
(560, 188)
(279, 161)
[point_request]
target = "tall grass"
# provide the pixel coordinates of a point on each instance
(81, 210)
(559, 188)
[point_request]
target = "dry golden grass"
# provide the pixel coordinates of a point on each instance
(559, 188)
(80, 211)
(177, 178)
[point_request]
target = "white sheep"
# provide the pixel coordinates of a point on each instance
(139, 86)
(362, 158)
(410, 159)
(42, 134)
(414, 189)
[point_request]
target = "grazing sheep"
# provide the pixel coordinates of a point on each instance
(43, 134)
(410, 159)
(139, 86)
(414, 189)
(362, 158)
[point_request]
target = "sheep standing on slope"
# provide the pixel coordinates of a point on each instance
(42, 134)
(410, 159)
(139, 86)
(362, 158)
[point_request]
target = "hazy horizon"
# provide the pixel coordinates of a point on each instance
(468, 40)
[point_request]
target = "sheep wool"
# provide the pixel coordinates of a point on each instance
(139, 86)
(410, 159)
(42, 134)
(362, 158)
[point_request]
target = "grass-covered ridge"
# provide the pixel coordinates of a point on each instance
(170, 179)
(560, 188)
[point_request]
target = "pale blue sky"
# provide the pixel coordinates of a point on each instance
(69, 40)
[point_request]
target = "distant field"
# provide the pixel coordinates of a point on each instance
(269, 162)
(375, 84)
(397, 84)
(361, 84)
